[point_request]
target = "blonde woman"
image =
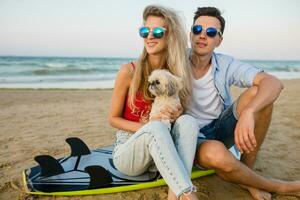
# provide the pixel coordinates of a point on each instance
(142, 143)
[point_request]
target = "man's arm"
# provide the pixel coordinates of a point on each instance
(269, 88)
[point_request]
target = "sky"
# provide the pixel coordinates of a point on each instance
(255, 29)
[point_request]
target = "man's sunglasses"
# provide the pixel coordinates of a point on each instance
(157, 32)
(210, 32)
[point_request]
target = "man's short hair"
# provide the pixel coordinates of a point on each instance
(211, 12)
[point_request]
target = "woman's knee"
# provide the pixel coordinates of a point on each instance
(186, 125)
(156, 126)
(157, 130)
(213, 154)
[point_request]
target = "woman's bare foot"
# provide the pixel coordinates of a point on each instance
(191, 196)
(171, 195)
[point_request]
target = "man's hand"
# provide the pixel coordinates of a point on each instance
(244, 137)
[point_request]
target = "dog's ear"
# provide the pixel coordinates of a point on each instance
(179, 82)
(174, 85)
(171, 87)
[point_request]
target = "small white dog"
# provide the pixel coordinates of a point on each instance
(165, 87)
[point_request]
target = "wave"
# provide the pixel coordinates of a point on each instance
(280, 66)
(82, 69)
(56, 79)
(70, 71)
(4, 64)
(104, 84)
(57, 65)
(285, 69)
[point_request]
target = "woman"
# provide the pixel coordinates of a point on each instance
(142, 143)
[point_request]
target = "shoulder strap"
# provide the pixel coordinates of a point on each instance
(133, 66)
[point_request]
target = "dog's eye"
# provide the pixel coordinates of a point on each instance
(157, 82)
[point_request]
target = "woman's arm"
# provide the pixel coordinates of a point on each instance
(122, 84)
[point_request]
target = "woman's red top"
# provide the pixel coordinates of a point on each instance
(141, 110)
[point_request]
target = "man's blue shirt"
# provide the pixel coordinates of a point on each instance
(228, 71)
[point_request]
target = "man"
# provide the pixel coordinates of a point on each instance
(221, 123)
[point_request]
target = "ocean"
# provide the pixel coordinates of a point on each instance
(92, 73)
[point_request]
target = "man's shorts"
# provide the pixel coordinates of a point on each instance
(221, 129)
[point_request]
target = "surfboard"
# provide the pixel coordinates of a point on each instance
(87, 172)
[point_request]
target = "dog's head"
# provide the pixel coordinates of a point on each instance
(163, 83)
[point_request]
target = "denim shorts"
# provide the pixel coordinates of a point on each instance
(221, 129)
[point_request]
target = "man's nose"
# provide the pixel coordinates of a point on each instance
(202, 34)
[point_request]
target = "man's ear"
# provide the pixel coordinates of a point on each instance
(220, 41)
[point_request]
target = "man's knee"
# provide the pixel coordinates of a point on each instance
(213, 154)
(267, 111)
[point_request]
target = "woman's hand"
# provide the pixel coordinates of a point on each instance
(168, 113)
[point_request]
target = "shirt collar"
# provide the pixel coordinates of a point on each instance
(214, 62)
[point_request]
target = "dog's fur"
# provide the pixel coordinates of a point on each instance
(165, 87)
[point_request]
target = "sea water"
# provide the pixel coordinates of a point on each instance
(91, 73)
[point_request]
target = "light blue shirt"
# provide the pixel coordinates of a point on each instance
(228, 71)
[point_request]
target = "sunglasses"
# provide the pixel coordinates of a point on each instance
(210, 32)
(157, 32)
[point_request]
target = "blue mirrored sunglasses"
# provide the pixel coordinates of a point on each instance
(210, 32)
(158, 32)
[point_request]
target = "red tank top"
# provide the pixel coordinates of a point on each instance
(141, 110)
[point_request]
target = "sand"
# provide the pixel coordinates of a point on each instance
(36, 122)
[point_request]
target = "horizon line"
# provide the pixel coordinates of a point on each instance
(122, 57)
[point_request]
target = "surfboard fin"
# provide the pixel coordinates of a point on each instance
(49, 165)
(78, 147)
(99, 176)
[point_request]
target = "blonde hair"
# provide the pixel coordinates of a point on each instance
(175, 58)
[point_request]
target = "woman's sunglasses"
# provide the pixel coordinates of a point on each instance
(210, 32)
(157, 32)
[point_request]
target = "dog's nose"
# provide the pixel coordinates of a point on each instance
(152, 83)
(156, 82)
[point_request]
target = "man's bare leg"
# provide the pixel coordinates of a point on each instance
(262, 122)
(214, 155)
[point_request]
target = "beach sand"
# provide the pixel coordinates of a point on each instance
(36, 122)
